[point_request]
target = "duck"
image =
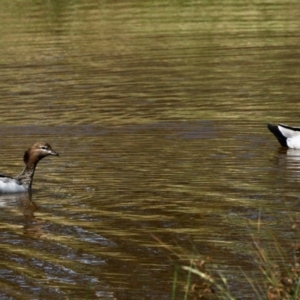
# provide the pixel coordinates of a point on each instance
(23, 182)
(287, 136)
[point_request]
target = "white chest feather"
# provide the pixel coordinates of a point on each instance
(9, 185)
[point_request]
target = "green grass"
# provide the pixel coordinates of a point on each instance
(281, 277)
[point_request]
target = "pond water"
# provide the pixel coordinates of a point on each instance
(158, 110)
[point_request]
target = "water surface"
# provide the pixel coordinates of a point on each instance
(158, 111)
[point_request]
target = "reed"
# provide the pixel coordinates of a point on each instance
(281, 277)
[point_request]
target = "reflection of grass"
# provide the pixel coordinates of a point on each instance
(280, 282)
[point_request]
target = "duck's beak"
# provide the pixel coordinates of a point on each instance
(54, 153)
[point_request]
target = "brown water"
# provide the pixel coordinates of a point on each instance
(158, 110)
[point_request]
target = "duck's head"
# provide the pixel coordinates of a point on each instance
(37, 152)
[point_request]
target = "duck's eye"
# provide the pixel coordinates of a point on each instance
(44, 147)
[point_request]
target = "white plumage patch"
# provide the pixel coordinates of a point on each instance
(293, 142)
(288, 133)
(293, 137)
(10, 185)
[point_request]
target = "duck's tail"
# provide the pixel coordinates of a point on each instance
(280, 137)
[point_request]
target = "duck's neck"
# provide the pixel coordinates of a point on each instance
(26, 177)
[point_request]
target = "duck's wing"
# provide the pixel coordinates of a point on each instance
(289, 131)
